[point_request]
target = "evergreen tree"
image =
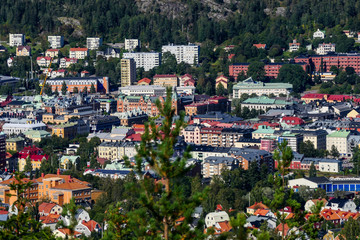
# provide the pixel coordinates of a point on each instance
(220, 90)
(312, 171)
(22, 225)
(163, 202)
(28, 165)
(92, 88)
(76, 90)
(63, 88)
(334, 152)
(56, 92)
(85, 90)
(356, 160)
(48, 90)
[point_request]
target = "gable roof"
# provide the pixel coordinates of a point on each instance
(46, 207)
(259, 205)
(91, 225)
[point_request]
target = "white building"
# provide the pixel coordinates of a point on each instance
(214, 217)
(339, 139)
(93, 43)
(21, 127)
(325, 48)
(188, 90)
(294, 46)
(319, 34)
(79, 53)
(56, 41)
(131, 44)
(143, 90)
(16, 40)
(330, 165)
(146, 60)
(184, 53)
(66, 62)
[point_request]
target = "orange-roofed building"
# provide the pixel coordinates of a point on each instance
(78, 53)
(144, 81)
(252, 209)
(282, 230)
(88, 227)
(260, 46)
(50, 220)
(46, 209)
(220, 227)
(58, 188)
(65, 233)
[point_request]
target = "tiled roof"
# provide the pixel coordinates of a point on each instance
(144, 80)
(280, 228)
(78, 49)
(259, 205)
(71, 186)
(46, 207)
(165, 76)
(91, 225)
(50, 219)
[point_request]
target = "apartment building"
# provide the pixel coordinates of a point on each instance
(271, 69)
(339, 139)
(128, 72)
(35, 154)
(60, 189)
(218, 104)
(184, 53)
(101, 84)
(15, 144)
(93, 43)
(249, 86)
(16, 40)
(66, 62)
(56, 41)
(79, 53)
(146, 60)
(214, 166)
(131, 44)
(325, 48)
(52, 53)
(43, 61)
(143, 90)
(264, 103)
(166, 80)
(293, 139)
(294, 46)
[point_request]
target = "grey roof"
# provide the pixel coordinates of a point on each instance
(318, 179)
(220, 160)
(340, 202)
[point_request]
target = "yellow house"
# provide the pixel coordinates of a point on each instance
(15, 144)
(37, 135)
(352, 114)
(23, 51)
(36, 161)
(66, 130)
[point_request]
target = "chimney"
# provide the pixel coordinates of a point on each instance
(58, 171)
(42, 175)
(69, 178)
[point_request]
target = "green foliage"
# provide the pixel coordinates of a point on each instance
(356, 160)
(63, 88)
(28, 165)
(351, 230)
(92, 88)
(334, 152)
(294, 74)
(22, 225)
(220, 90)
(69, 210)
(312, 171)
(164, 202)
(256, 71)
(76, 90)
(308, 149)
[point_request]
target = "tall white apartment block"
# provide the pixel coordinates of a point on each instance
(147, 60)
(131, 44)
(56, 41)
(93, 43)
(184, 53)
(16, 40)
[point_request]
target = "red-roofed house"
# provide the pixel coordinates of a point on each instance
(338, 98)
(282, 230)
(64, 233)
(220, 227)
(144, 81)
(294, 46)
(252, 209)
(223, 80)
(87, 228)
(168, 80)
(43, 61)
(66, 62)
(260, 46)
(310, 97)
(79, 53)
(52, 53)
(58, 73)
(230, 56)
(292, 121)
(84, 73)
(50, 220)
(186, 78)
(49, 208)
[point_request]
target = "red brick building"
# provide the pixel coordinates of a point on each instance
(325, 62)
(271, 69)
(101, 84)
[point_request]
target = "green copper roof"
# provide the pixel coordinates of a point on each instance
(267, 100)
(264, 129)
(37, 134)
(251, 84)
(340, 134)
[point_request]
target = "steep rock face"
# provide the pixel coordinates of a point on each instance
(177, 8)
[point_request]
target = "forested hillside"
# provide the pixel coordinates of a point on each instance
(180, 21)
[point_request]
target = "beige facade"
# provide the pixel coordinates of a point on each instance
(165, 80)
(339, 139)
(78, 53)
(128, 72)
